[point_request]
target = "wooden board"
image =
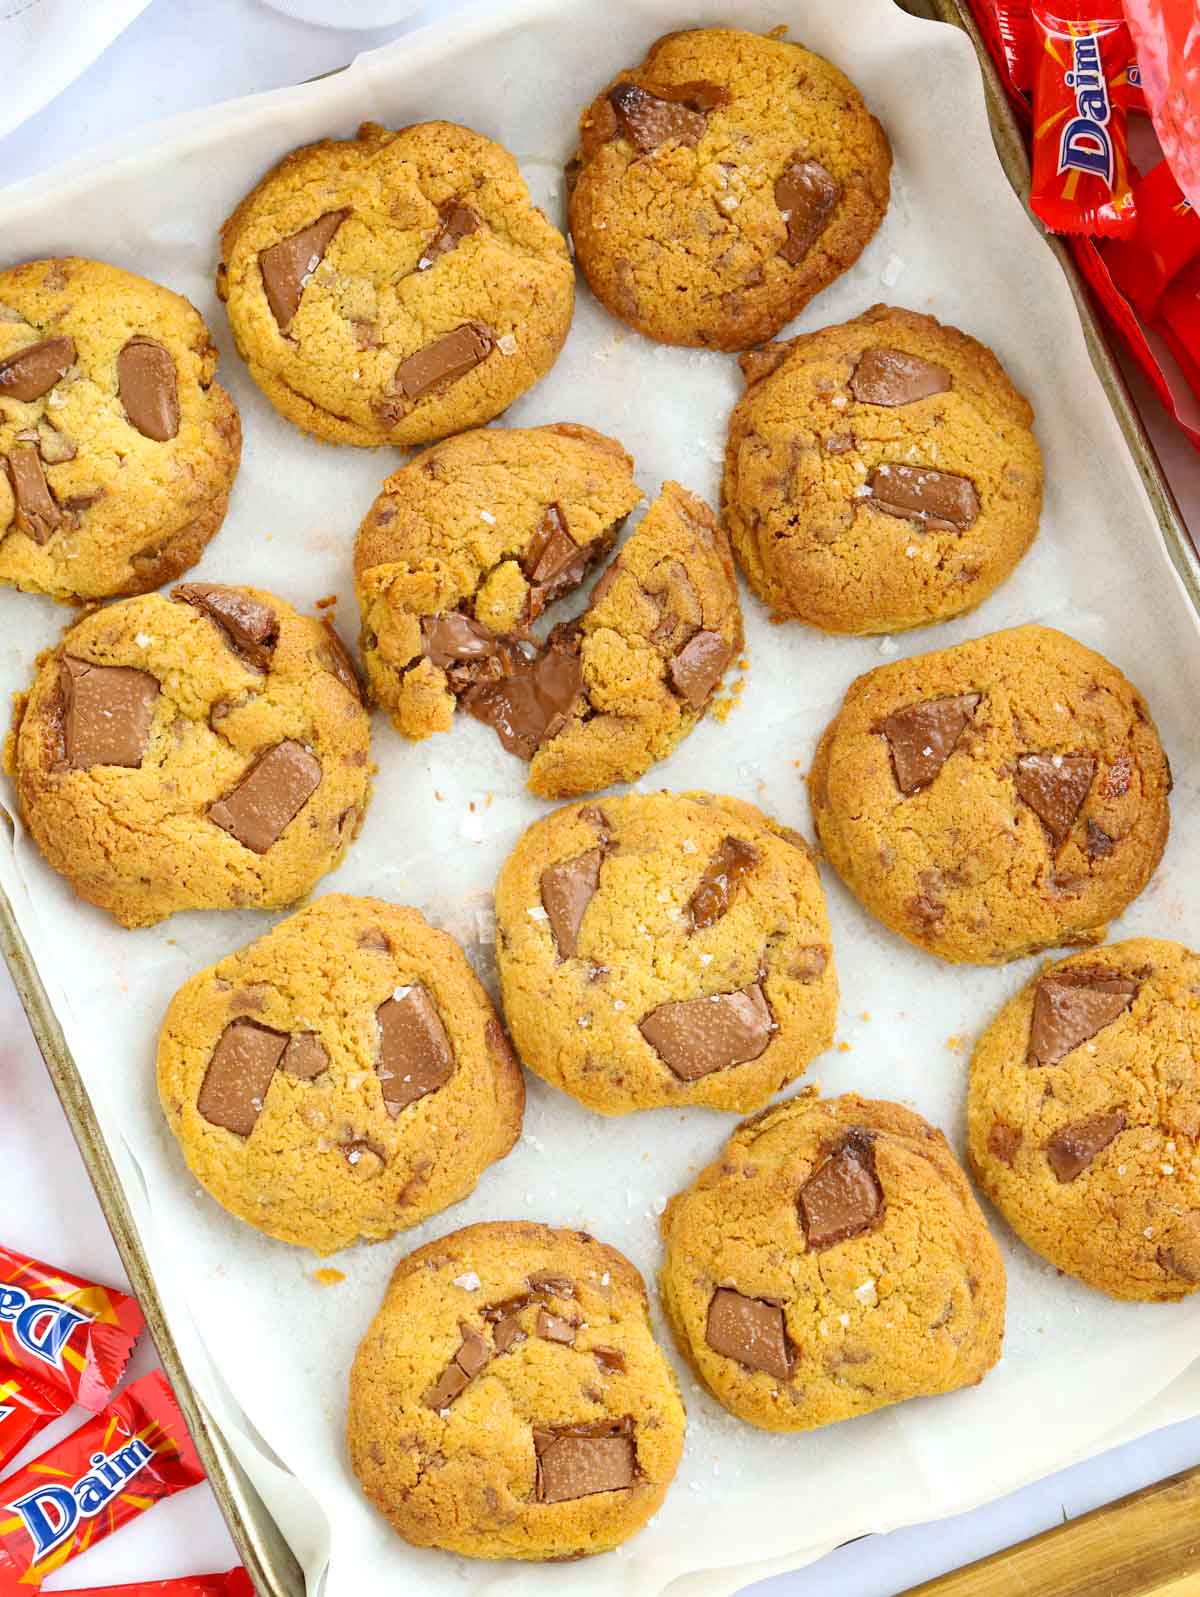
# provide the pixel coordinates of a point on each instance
(1147, 1545)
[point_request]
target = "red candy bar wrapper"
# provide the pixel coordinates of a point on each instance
(27, 1405)
(65, 1329)
(1167, 239)
(235, 1583)
(1014, 34)
(111, 1469)
(1081, 172)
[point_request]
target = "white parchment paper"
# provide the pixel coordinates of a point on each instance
(268, 1347)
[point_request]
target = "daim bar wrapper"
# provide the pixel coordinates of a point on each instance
(27, 1405)
(1167, 240)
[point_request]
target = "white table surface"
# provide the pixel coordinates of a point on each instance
(177, 55)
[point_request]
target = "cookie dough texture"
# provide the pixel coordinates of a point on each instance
(343, 1077)
(206, 751)
(879, 475)
(509, 1399)
(118, 448)
(395, 287)
(832, 1261)
(993, 799)
(665, 949)
(721, 184)
(1084, 1117)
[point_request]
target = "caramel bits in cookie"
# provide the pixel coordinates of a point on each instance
(806, 195)
(251, 627)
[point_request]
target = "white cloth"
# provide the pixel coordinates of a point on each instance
(345, 13)
(46, 44)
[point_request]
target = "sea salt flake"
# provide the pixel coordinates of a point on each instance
(506, 344)
(888, 646)
(843, 1320)
(537, 913)
(469, 1281)
(401, 993)
(486, 515)
(866, 1293)
(143, 640)
(892, 270)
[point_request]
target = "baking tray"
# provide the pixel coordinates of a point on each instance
(261, 1544)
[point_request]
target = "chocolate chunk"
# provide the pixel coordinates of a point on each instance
(459, 221)
(287, 266)
(567, 890)
(806, 195)
(1099, 844)
(34, 370)
(922, 737)
(1055, 786)
(1003, 1141)
(700, 1035)
(842, 1198)
(733, 861)
(341, 662)
(108, 711)
(809, 963)
(891, 377)
(580, 1460)
(305, 1056)
(1071, 1150)
(472, 1355)
(699, 666)
(415, 1054)
(679, 112)
(454, 639)
(270, 795)
(148, 388)
(532, 703)
(553, 561)
(935, 500)
(610, 1359)
(750, 1331)
(508, 1333)
(551, 1285)
(444, 361)
(552, 1329)
(38, 514)
(251, 628)
(1072, 1006)
(238, 1075)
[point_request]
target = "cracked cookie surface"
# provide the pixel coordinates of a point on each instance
(509, 1399)
(342, 1078)
(721, 184)
(395, 287)
(879, 475)
(996, 798)
(665, 949)
(1084, 1117)
(118, 448)
(207, 751)
(832, 1261)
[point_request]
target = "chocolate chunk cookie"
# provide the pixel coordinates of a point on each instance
(343, 1077)
(832, 1261)
(509, 1399)
(395, 287)
(1084, 1117)
(207, 751)
(469, 544)
(118, 448)
(996, 798)
(721, 184)
(879, 475)
(665, 949)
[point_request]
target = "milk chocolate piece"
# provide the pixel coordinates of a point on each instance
(287, 266)
(699, 666)
(444, 361)
(806, 195)
(1099, 844)
(1073, 1006)
(1071, 1150)
(459, 221)
(892, 377)
(108, 711)
(270, 795)
(700, 1035)
(238, 1075)
(455, 639)
(415, 1054)
(579, 1460)
(508, 1333)
(842, 1198)
(680, 112)
(610, 1359)
(567, 890)
(1055, 786)
(935, 500)
(305, 1056)
(472, 1355)
(1003, 1141)
(341, 662)
(251, 628)
(38, 514)
(148, 388)
(750, 1331)
(554, 562)
(553, 1329)
(733, 861)
(922, 737)
(34, 370)
(532, 703)
(551, 1285)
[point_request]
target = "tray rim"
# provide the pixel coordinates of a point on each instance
(261, 1545)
